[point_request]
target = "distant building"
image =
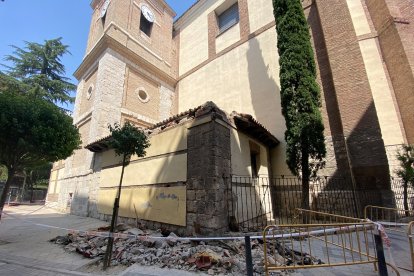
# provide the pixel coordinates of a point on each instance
(143, 67)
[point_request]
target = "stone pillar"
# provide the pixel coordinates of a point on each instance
(208, 170)
(109, 94)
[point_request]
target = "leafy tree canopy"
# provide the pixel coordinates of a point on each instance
(128, 140)
(39, 68)
(406, 171)
(3, 173)
(406, 160)
(33, 131)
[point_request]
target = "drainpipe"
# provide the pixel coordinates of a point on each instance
(357, 209)
(271, 186)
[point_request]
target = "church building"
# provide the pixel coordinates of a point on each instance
(205, 86)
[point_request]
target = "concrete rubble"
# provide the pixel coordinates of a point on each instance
(211, 257)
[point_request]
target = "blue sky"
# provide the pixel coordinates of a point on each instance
(38, 20)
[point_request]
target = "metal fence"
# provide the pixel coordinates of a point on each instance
(250, 203)
(307, 246)
(393, 219)
(397, 187)
(255, 202)
(315, 217)
(410, 234)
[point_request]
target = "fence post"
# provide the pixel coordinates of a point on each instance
(249, 260)
(8, 201)
(382, 266)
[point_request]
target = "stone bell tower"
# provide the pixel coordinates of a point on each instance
(128, 73)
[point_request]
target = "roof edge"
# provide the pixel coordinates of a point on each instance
(240, 121)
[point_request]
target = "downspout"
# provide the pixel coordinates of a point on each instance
(356, 206)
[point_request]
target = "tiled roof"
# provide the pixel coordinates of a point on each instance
(247, 124)
(243, 122)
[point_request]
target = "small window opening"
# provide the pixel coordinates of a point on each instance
(228, 18)
(145, 25)
(142, 95)
(89, 92)
(254, 158)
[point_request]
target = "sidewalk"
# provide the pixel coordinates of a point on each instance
(25, 248)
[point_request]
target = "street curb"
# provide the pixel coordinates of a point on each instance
(50, 269)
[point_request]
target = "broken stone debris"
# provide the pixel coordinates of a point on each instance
(213, 257)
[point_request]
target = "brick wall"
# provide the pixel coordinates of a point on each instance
(134, 82)
(336, 158)
(393, 21)
(346, 90)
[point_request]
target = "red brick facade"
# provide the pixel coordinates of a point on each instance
(394, 23)
(349, 111)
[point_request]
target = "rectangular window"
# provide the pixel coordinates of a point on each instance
(145, 25)
(254, 158)
(253, 163)
(228, 18)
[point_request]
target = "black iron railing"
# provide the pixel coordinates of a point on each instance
(254, 202)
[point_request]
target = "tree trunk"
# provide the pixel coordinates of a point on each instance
(31, 193)
(305, 182)
(10, 175)
(108, 254)
(31, 184)
(406, 198)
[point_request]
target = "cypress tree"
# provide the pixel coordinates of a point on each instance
(300, 95)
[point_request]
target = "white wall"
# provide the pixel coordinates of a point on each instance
(243, 80)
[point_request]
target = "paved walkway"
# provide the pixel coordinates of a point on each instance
(25, 248)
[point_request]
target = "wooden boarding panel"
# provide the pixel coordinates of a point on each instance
(161, 204)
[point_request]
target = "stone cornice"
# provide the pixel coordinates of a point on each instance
(107, 41)
(188, 14)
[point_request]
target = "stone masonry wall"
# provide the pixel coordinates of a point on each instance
(209, 156)
(81, 179)
(109, 94)
(208, 169)
(83, 186)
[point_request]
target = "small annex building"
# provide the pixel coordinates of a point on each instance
(183, 180)
(143, 66)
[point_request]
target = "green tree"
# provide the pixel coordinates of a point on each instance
(126, 141)
(406, 170)
(3, 173)
(39, 68)
(33, 131)
(299, 92)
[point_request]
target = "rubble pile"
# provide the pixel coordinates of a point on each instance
(212, 257)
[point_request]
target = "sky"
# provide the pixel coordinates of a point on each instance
(40, 20)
